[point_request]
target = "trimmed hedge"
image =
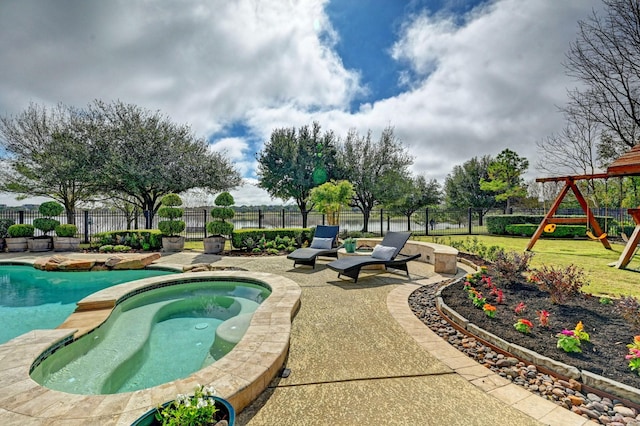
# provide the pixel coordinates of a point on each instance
(301, 235)
(498, 224)
(139, 239)
(562, 231)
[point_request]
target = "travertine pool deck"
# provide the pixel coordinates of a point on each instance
(357, 356)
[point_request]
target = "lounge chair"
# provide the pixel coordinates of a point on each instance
(386, 253)
(324, 243)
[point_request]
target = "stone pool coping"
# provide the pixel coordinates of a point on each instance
(240, 376)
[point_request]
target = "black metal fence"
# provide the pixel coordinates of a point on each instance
(431, 221)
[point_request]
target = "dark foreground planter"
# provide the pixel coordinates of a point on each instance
(226, 412)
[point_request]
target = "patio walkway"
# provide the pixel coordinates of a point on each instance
(358, 356)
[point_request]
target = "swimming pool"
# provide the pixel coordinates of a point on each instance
(32, 299)
(155, 336)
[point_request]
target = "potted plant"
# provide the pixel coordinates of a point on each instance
(219, 228)
(200, 409)
(170, 228)
(4, 225)
(349, 245)
(17, 236)
(46, 224)
(66, 239)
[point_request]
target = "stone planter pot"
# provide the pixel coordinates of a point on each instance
(39, 244)
(172, 243)
(16, 244)
(66, 243)
(226, 412)
(213, 245)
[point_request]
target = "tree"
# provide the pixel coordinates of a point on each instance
(505, 177)
(417, 193)
(370, 165)
(46, 155)
(330, 197)
(292, 163)
(462, 186)
(144, 155)
(605, 59)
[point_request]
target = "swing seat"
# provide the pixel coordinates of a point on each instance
(593, 237)
(624, 237)
(550, 228)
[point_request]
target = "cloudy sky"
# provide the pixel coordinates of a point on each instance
(455, 78)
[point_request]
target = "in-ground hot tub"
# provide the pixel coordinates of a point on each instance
(154, 337)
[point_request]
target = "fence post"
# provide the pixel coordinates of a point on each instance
(426, 222)
(381, 222)
(388, 222)
(86, 226)
(323, 218)
(147, 220)
(470, 217)
(204, 219)
(283, 219)
(259, 218)
(21, 217)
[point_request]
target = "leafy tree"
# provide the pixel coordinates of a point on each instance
(505, 177)
(417, 193)
(462, 185)
(292, 163)
(45, 154)
(604, 58)
(329, 198)
(144, 155)
(369, 166)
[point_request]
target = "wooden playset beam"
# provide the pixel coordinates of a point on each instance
(549, 217)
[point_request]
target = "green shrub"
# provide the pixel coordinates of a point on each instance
(561, 231)
(107, 248)
(120, 248)
(497, 224)
(220, 226)
(48, 209)
(241, 237)
(66, 230)
(170, 210)
(4, 225)
(20, 230)
(139, 239)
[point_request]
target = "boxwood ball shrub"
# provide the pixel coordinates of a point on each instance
(170, 210)
(20, 230)
(222, 211)
(66, 230)
(48, 209)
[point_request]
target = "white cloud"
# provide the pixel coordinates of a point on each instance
(474, 86)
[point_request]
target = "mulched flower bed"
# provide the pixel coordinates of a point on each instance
(609, 333)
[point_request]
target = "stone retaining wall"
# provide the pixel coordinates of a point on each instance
(443, 258)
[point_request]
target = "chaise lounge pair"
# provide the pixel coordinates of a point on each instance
(386, 253)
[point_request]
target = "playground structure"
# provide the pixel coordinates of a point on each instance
(626, 165)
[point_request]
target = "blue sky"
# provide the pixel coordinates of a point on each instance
(456, 79)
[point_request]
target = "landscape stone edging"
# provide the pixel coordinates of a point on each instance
(590, 379)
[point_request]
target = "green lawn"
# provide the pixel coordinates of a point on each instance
(589, 255)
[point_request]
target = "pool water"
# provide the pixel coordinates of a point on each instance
(32, 299)
(155, 337)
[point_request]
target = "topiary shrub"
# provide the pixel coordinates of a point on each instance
(20, 230)
(170, 210)
(66, 230)
(48, 209)
(219, 226)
